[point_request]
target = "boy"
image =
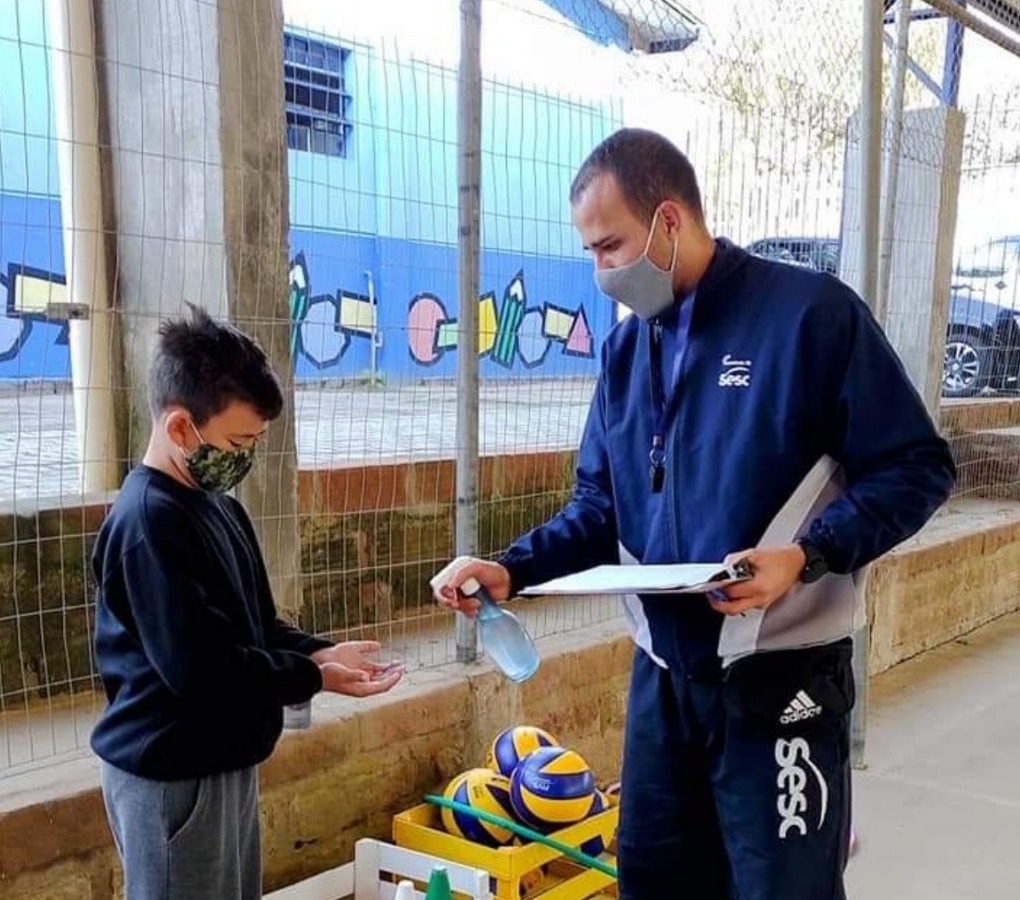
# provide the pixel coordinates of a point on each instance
(195, 664)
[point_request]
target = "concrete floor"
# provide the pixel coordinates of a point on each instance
(938, 807)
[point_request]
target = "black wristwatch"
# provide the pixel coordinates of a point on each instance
(815, 565)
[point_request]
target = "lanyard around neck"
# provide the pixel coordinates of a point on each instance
(660, 401)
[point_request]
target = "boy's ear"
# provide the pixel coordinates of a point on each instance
(176, 425)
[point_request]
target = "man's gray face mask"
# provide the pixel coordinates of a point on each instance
(641, 285)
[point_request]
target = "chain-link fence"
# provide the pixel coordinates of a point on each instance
(178, 154)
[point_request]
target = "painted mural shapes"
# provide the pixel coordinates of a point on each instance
(25, 297)
(322, 326)
(514, 332)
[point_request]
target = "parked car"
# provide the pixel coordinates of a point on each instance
(991, 272)
(983, 332)
(817, 253)
(982, 347)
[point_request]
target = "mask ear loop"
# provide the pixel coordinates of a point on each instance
(201, 440)
(648, 243)
(651, 231)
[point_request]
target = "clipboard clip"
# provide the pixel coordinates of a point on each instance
(741, 570)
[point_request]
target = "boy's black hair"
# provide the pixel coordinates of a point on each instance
(649, 169)
(204, 365)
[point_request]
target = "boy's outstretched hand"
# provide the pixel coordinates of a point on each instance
(346, 670)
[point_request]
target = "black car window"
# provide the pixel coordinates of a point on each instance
(992, 260)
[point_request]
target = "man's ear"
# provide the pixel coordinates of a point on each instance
(673, 215)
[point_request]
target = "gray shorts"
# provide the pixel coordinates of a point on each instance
(196, 839)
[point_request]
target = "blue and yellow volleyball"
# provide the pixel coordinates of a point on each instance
(551, 788)
(513, 744)
(484, 790)
(596, 845)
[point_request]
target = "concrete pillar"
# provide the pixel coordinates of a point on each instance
(924, 229)
(92, 334)
(197, 168)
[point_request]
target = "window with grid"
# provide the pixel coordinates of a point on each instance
(317, 104)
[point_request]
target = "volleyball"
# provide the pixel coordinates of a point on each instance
(552, 787)
(513, 744)
(484, 790)
(596, 845)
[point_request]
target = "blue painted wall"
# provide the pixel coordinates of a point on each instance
(546, 316)
(28, 160)
(400, 178)
(379, 224)
(30, 239)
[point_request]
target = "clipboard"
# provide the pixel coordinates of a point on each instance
(685, 578)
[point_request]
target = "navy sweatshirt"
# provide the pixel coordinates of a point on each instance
(784, 368)
(195, 664)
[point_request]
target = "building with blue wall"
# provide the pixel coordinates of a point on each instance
(374, 225)
(31, 252)
(372, 132)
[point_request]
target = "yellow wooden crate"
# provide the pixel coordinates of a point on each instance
(421, 829)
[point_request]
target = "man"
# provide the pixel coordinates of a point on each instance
(195, 664)
(746, 404)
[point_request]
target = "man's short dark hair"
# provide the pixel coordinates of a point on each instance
(204, 366)
(648, 168)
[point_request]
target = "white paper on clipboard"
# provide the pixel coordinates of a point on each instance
(694, 578)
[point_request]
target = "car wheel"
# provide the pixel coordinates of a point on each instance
(966, 367)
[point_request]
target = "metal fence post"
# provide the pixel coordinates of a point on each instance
(892, 160)
(469, 171)
(871, 198)
(91, 335)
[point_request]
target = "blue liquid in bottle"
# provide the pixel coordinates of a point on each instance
(504, 639)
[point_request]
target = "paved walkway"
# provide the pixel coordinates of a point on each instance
(938, 807)
(335, 426)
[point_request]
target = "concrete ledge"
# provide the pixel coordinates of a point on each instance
(429, 484)
(957, 574)
(988, 463)
(980, 413)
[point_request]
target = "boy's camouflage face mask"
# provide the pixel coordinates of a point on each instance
(218, 470)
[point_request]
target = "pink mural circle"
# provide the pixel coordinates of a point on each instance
(423, 320)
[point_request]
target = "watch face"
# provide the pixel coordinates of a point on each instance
(814, 570)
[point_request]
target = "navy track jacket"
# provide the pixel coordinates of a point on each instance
(791, 415)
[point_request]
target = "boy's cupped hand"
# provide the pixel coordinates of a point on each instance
(347, 670)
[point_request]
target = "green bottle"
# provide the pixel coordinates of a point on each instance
(439, 885)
